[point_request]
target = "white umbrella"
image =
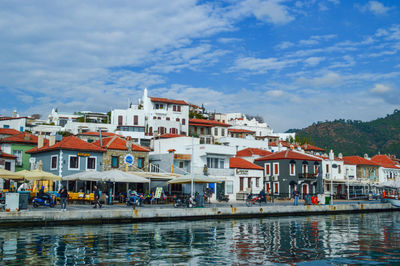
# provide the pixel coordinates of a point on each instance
(111, 176)
(5, 174)
(196, 179)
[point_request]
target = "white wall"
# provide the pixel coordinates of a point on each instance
(14, 123)
(242, 143)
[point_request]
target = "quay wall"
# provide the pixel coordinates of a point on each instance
(130, 215)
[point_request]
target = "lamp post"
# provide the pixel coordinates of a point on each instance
(331, 157)
(348, 184)
(192, 174)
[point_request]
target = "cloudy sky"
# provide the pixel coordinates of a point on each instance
(292, 62)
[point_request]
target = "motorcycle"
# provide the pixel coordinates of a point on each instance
(223, 197)
(135, 200)
(43, 202)
(178, 203)
(191, 202)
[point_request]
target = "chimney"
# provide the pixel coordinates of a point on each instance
(15, 114)
(40, 141)
(129, 143)
(27, 137)
(52, 140)
(340, 155)
(366, 156)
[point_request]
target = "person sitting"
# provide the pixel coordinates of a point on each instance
(42, 195)
(263, 196)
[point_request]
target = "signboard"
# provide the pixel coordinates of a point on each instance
(83, 154)
(185, 157)
(129, 160)
(242, 171)
(158, 193)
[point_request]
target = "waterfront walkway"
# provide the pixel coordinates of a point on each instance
(85, 214)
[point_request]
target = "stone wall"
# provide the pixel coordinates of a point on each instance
(121, 154)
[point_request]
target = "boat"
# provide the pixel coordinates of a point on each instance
(394, 202)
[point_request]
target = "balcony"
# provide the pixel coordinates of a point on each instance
(307, 176)
(214, 171)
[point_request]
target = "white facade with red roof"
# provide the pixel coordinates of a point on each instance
(389, 170)
(152, 117)
(17, 123)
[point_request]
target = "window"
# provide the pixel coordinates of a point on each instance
(6, 126)
(292, 169)
(339, 169)
(159, 118)
(257, 182)
(305, 169)
(135, 120)
(178, 108)
(249, 182)
(54, 161)
(202, 131)
(229, 187)
(276, 169)
(151, 131)
(215, 163)
(120, 120)
(241, 183)
(159, 106)
(73, 162)
(154, 117)
(315, 169)
(276, 188)
(177, 120)
(114, 161)
(167, 118)
(91, 163)
(181, 164)
(140, 163)
(216, 131)
(267, 168)
(174, 108)
(18, 154)
(222, 132)
(183, 121)
(327, 168)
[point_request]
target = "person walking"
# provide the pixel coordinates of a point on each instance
(96, 197)
(63, 197)
(296, 197)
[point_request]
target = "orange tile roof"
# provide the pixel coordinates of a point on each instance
(69, 143)
(309, 147)
(165, 100)
(207, 122)
(243, 164)
(6, 155)
(23, 137)
(118, 143)
(288, 155)
(248, 152)
(357, 160)
(385, 161)
(168, 136)
(200, 125)
(9, 131)
(236, 130)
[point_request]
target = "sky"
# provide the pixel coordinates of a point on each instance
(291, 62)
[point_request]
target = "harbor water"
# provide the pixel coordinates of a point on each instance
(336, 239)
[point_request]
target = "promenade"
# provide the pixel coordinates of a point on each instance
(85, 214)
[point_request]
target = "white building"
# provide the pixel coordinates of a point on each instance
(389, 169)
(243, 143)
(240, 121)
(152, 117)
(17, 123)
(209, 131)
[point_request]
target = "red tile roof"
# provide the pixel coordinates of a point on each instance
(309, 147)
(248, 152)
(385, 161)
(11, 118)
(243, 164)
(23, 137)
(9, 131)
(69, 143)
(207, 122)
(200, 125)
(357, 160)
(95, 133)
(165, 100)
(118, 143)
(6, 155)
(168, 136)
(288, 155)
(236, 130)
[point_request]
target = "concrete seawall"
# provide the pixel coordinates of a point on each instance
(128, 215)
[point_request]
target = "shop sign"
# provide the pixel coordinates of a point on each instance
(242, 171)
(83, 154)
(129, 159)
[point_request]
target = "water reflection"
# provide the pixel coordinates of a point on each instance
(358, 238)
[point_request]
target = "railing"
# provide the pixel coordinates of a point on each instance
(307, 176)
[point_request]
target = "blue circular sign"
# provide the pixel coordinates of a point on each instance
(129, 159)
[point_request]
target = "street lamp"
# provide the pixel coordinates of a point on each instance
(331, 157)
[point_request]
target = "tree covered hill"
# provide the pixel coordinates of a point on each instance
(355, 137)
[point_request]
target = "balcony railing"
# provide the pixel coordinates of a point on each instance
(307, 176)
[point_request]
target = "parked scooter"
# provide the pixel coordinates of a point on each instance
(192, 202)
(222, 197)
(178, 203)
(45, 203)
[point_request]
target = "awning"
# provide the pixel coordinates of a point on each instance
(107, 176)
(40, 175)
(5, 174)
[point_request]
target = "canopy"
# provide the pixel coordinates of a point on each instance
(393, 184)
(40, 175)
(5, 174)
(196, 179)
(111, 176)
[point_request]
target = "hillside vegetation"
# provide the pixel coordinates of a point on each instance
(355, 137)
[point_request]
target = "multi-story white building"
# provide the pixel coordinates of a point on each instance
(240, 121)
(152, 117)
(389, 170)
(15, 122)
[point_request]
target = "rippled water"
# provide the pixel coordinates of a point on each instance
(340, 239)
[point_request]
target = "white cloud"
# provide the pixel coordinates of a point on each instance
(381, 88)
(275, 93)
(313, 61)
(375, 7)
(330, 79)
(261, 65)
(284, 45)
(228, 40)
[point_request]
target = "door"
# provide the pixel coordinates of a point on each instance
(305, 189)
(220, 189)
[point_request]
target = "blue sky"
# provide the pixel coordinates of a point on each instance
(292, 62)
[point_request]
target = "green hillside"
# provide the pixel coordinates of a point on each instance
(355, 137)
